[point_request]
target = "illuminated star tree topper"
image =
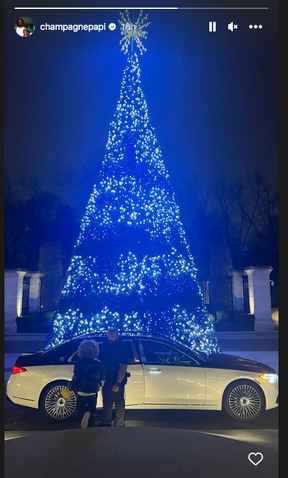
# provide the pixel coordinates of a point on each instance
(131, 31)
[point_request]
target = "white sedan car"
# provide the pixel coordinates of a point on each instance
(163, 374)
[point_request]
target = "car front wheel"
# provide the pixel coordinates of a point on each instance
(54, 405)
(244, 400)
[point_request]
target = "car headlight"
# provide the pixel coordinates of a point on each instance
(270, 377)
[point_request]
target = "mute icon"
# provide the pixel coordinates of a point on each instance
(232, 26)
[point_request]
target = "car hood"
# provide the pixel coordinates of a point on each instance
(234, 362)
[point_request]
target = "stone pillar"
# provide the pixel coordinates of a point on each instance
(237, 291)
(34, 291)
(13, 298)
(260, 297)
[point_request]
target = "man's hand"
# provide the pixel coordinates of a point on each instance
(115, 388)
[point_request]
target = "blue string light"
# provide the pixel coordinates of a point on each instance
(132, 267)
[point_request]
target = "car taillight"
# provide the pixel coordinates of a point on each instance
(17, 370)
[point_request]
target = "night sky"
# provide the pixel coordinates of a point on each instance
(212, 97)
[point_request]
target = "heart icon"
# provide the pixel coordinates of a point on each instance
(255, 458)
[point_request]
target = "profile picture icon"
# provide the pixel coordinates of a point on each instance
(24, 26)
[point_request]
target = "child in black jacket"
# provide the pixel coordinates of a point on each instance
(87, 380)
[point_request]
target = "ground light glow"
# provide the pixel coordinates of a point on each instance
(132, 267)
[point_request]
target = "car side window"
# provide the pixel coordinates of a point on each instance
(61, 353)
(159, 353)
(74, 356)
(131, 351)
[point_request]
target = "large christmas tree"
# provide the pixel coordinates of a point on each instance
(132, 267)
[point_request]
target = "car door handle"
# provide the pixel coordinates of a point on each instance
(154, 370)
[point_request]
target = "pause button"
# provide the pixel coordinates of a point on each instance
(212, 26)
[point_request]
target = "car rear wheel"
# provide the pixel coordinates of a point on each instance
(244, 400)
(54, 405)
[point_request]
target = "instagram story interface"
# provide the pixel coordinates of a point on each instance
(141, 198)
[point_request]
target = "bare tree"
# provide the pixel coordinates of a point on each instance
(77, 183)
(30, 185)
(249, 213)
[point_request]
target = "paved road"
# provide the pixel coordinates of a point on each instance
(22, 421)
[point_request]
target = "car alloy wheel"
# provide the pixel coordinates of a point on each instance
(55, 406)
(244, 400)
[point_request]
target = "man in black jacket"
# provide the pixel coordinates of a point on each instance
(87, 380)
(114, 355)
